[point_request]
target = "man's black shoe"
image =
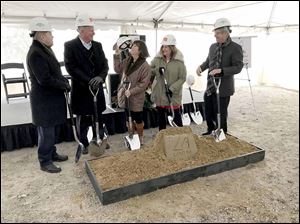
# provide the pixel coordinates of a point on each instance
(85, 151)
(59, 158)
(207, 133)
(51, 168)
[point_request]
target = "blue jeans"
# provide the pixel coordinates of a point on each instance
(46, 145)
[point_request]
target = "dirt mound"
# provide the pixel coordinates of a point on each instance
(151, 162)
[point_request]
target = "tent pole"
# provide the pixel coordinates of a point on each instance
(271, 17)
(156, 22)
(156, 40)
(251, 92)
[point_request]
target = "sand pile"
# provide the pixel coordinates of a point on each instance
(151, 162)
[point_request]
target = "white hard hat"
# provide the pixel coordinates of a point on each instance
(222, 22)
(190, 80)
(124, 42)
(84, 20)
(39, 24)
(169, 40)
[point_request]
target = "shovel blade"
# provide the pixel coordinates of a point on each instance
(90, 134)
(219, 135)
(78, 154)
(186, 121)
(171, 121)
(197, 117)
(134, 142)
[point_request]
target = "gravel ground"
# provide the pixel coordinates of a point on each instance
(267, 191)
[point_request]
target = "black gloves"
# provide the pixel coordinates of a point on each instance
(169, 92)
(65, 85)
(161, 70)
(95, 82)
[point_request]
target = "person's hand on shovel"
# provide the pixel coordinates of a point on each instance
(127, 93)
(161, 70)
(215, 72)
(169, 92)
(95, 82)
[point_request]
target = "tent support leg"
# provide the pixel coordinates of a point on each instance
(251, 92)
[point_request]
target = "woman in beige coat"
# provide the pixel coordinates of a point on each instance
(136, 70)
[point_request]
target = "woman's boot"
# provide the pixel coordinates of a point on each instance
(140, 131)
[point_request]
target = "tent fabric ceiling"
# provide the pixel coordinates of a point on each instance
(256, 14)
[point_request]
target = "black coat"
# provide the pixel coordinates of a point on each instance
(48, 105)
(231, 64)
(78, 65)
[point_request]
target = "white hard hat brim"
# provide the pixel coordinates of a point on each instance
(220, 28)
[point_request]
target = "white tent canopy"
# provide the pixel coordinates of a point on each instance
(274, 57)
(198, 16)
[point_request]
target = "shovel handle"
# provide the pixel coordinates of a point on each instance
(72, 118)
(127, 100)
(190, 89)
(95, 103)
(218, 100)
(219, 83)
(194, 105)
(166, 84)
(128, 106)
(169, 99)
(69, 107)
(167, 92)
(96, 113)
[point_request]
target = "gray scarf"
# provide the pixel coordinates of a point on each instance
(215, 64)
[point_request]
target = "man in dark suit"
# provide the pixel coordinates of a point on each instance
(86, 63)
(47, 100)
(225, 59)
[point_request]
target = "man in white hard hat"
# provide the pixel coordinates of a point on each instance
(225, 59)
(87, 65)
(47, 99)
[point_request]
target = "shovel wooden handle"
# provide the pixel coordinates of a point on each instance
(96, 113)
(218, 100)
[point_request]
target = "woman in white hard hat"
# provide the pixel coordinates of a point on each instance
(168, 64)
(135, 69)
(47, 98)
(225, 59)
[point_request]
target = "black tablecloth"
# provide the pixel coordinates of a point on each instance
(25, 135)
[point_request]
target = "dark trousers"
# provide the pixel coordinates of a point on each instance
(136, 116)
(83, 122)
(162, 117)
(211, 111)
(46, 145)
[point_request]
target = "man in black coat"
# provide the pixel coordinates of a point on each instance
(86, 63)
(225, 59)
(48, 105)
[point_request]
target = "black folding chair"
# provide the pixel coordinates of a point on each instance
(14, 80)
